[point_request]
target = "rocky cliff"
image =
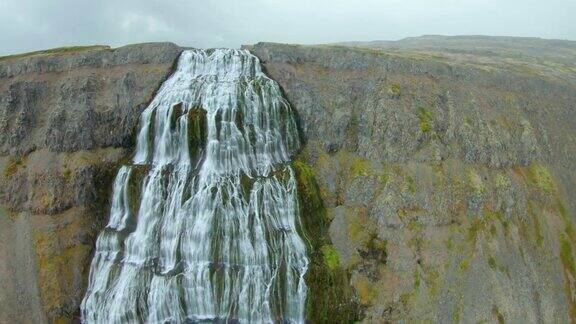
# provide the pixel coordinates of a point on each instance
(67, 117)
(447, 181)
(442, 179)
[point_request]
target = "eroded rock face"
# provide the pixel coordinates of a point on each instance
(443, 184)
(448, 185)
(66, 122)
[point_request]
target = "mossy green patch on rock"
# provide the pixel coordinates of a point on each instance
(395, 90)
(475, 182)
(308, 193)
(330, 296)
(540, 177)
(331, 257)
(425, 116)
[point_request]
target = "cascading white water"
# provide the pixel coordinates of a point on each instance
(212, 233)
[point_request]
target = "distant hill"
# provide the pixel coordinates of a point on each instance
(545, 57)
(563, 51)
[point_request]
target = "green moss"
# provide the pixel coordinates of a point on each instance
(475, 182)
(414, 225)
(538, 232)
(464, 265)
(405, 299)
(67, 174)
(502, 181)
(539, 176)
(432, 282)
(562, 210)
(457, 311)
(425, 116)
(330, 295)
(492, 262)
(568, 226)
(384, 178)
(449, 243)
(493, 230)
(331, 257)
(411, 184)
(491, 215)
(395, 90)
(475, 228)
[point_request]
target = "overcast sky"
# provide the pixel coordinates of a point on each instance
(27, 25)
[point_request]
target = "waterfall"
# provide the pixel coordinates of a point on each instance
(204, 223)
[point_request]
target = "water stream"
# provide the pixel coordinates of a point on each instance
(204, 223)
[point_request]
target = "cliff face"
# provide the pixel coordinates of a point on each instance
(67, 118)
(447, 182)
(443, 177)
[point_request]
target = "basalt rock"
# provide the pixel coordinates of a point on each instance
(67, 118)
(447, 180)
(435, 179)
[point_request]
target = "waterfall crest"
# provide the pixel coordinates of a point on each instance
(204, 223)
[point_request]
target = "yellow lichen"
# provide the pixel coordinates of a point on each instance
(425, 116)
(14, 164)
(367, 292)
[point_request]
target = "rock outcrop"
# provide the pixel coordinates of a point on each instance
(436, 180)
(67, 118)
(448, 184)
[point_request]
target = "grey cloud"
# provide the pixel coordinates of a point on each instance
(27, 25)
